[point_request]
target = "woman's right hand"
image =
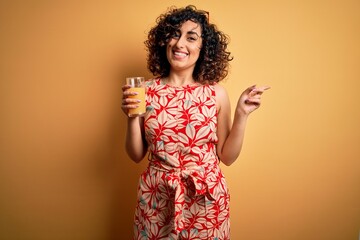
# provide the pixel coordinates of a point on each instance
(135, 144)
(127, 102)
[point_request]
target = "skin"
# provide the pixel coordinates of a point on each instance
(182, 52)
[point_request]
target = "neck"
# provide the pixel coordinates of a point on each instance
(179, 80)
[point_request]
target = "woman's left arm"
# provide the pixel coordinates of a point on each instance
(231, 137)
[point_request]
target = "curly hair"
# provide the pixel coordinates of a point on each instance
(213, 63)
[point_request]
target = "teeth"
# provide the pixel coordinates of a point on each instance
(180, 54)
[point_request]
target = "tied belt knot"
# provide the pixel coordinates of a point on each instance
(179, 178)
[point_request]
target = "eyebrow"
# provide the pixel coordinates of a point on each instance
(193, 32)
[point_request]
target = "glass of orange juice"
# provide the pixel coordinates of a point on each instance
(137, 85)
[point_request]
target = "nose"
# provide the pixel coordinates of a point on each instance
(180, 42)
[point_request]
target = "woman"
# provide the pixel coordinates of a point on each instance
(187, 130)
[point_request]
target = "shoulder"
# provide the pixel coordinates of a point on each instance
(219, 89)
(152, 81)
(221, 96)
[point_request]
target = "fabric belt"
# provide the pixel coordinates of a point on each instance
(177, 179)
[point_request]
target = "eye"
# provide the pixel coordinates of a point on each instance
(192, 39)
(176, 35)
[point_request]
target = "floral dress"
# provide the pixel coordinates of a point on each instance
(182, 194)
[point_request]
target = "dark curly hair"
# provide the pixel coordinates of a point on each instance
(213, 63)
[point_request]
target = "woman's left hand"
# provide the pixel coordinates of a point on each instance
(250, 99)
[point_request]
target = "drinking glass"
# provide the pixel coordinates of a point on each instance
(137, 85)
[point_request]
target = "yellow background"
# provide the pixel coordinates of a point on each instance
(64, 174)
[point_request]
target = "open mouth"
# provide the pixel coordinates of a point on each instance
(180, 54)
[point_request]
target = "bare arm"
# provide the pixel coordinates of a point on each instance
(231, 137)
(135, 145)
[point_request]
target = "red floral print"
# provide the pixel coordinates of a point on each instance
(183, 193)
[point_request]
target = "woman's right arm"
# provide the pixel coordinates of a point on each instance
(135, 143)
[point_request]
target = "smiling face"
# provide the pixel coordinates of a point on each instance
(184, 47)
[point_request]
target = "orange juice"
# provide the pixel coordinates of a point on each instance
(141, 109)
